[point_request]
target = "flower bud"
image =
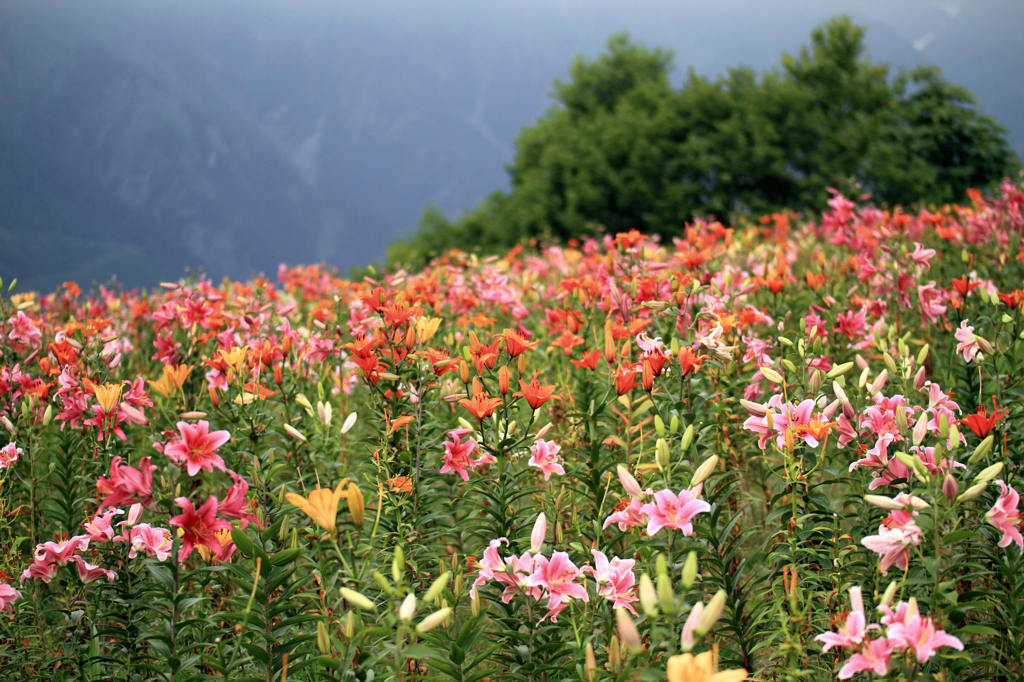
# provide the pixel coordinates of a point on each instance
(753, 409)
(901, 419)
(294, 432)
(302, 400)
(356, 505)
(438, 617)
(673, 424)
(984, 447)
(661, 454)
(712, 612)
(48, 414)
(357, 599)
(687, 438)
(629, 484)
(772, 375)
(348, 628)
(988, 473)
(589, 662)
(862, 380)
(949, 487)
(890, 592)
(879, 382)
(648, 596)
(706, 468)
(383, 583)
(627, 630)
(919, 378)
(659, 426)
(408, 608)
(324, 412)
(350, 421)
(614, 653)
(814, 383)
(839, 370)
(922, 354)
(398, 565)
(323, 640)
(890, 364)
(973, 492)
(690, 570)
(540, 529)
(437, 587)
(666, 596)
(920, 428)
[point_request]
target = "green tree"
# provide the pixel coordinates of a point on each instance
(622, 149)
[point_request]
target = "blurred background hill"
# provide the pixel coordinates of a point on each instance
(139, 139)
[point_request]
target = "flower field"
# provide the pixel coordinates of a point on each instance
(787, 449)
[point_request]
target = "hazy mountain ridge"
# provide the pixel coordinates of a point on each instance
(235, 136)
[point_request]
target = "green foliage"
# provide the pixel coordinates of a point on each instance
(622, 149)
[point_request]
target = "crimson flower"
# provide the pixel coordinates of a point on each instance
(200, 526)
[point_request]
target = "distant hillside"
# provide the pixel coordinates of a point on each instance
(144, 138)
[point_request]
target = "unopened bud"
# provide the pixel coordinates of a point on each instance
(437, 587)
(919, 378)
(661, 454)
(302, 400)
(350, 421)
(772, 375)
(433, 620)
(690, 570)
(323, 640)
(408, 608)
(879, 382)
(712, 612)
(901, 419)
(614, 653)
(752, 408)
(659, 426)
(949, 487)
(673, 424)
(648, 596)
(973, 492)
(920, 429)
(687, 440)
(398, 565)
(627, 630)
(540, 529)
(324, 412)
(988, 473)
(984, 447)
(814, 383)
(706, 468)
(356, 505)
(589, 662)
(862, 380)
(357, 599)
(666, 596)
(890, 364)
(48, 414)
(629, 484)
(348, 627)
(294, 432)
(839, 370)
(954, 436)
(890, 592)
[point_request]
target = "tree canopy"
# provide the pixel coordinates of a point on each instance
(621, 148)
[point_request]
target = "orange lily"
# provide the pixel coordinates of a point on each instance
(700, 668)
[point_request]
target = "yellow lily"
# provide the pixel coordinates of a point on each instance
(700, 668)
(321, 505)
